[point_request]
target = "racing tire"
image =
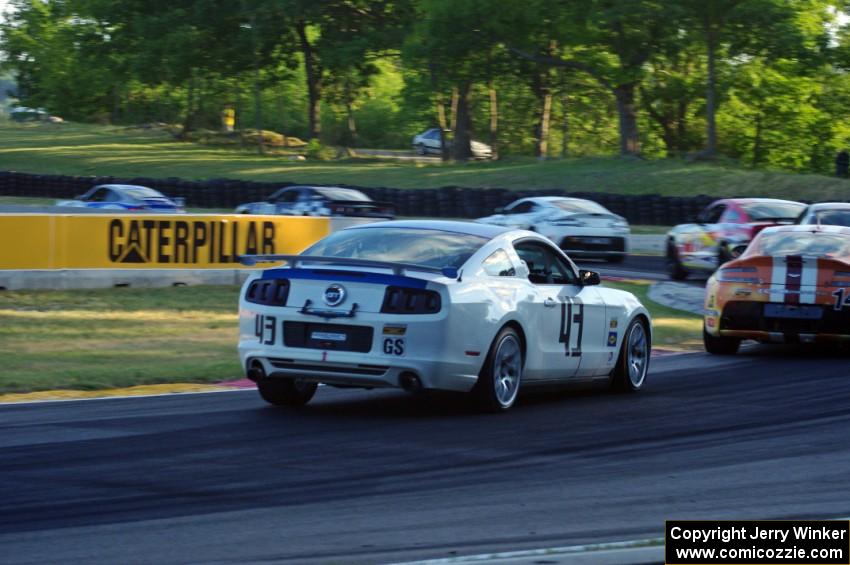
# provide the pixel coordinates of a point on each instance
(629, 374)
(675, 270)
(500, 378)
(286, 392)
(723, 255)
(719, 345)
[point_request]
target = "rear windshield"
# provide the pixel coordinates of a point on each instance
(140, 192)
(800, 243)
(429, 248)
(831, 218)
(579, 206)
(773, 210)
(342, 194)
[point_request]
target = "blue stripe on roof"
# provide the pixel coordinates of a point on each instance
(345, 276)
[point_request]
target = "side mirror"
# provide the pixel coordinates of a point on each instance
(79, 197)
(499, 210)
(588, 278)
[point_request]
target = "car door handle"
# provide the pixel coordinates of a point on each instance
(550, 302)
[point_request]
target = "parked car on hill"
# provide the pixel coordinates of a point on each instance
(827, 214)
(722, 231)
(125, 197)
(582, 228)
(319, 201)
(429, 142)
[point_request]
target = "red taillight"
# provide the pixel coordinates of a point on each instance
(399, 300)
(268, 292)
(739, 275)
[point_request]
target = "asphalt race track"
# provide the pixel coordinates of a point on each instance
(376, 477)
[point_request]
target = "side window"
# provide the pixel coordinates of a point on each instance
(731, 216)
(306, 195)
(521, 208)
(498, 264)
(98, 195)
(433, 134)
(112, 196)
(544, 265)
(288, 196)
(712, 215)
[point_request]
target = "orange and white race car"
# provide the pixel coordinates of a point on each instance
(791, 285)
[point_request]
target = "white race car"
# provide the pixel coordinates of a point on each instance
(582, 228)
(436, 305)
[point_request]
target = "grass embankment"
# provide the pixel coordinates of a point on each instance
(94, 339)
(77, 149)
(98, 339)
(671, 328)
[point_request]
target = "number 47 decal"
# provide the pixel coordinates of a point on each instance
(572, 318)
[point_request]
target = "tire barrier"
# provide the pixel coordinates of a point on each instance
(445, 202)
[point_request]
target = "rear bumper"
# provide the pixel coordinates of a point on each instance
(747, 320)
(361, 370)
(783, 337)
(436, 349)
(591, 246)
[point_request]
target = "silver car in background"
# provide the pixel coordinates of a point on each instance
(428, 142)
(826, 214)
(582, 228)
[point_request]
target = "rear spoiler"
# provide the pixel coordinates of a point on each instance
(396, 268)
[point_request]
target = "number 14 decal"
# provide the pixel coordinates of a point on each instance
(842, 298)
(572, 326)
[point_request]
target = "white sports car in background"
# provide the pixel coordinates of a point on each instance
(582, 228)
(826, 214)
(436, 305)
(429, 142)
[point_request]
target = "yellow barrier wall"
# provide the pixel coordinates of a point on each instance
(134, 241)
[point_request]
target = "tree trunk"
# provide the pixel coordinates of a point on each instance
(543, 90)
(494, 121)
(352, 125)
(681, 127)
(283, 124)
(710, 94)
(462, 138)
(441, 119)
(258, 95)
(757, 141)
(441, 112)
(240, 114)
(629, 138)
(189, 120)
(314, 85)
(542, 149)
(565, 126)
(453, 116)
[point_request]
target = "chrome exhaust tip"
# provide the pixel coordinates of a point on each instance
(256, 372)
(410, 382)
